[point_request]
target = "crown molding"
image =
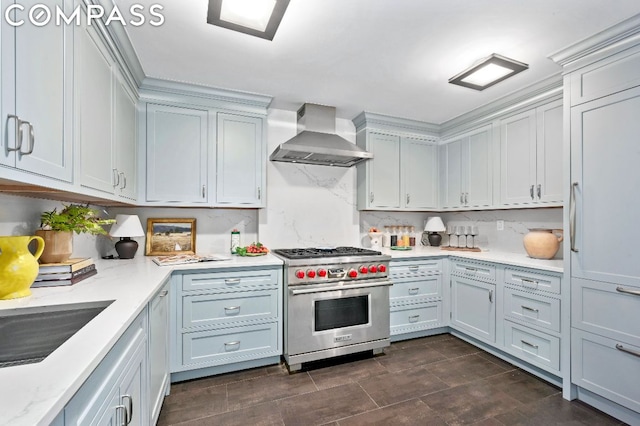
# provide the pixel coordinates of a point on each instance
(395, 124)
(156, 89)
(626, 32)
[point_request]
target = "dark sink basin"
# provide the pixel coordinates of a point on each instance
(29, 335)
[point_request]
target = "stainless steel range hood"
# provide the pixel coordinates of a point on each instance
(317, 141)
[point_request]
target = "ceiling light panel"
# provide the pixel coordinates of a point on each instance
(259, 18)
(488, 72)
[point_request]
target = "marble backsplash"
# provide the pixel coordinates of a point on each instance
(213, 226)
(516, 225)
(21, 216)
(307, 205)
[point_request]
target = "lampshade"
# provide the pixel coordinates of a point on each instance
(127, 225)
(434, 224)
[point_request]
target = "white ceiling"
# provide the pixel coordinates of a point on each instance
(390, 57)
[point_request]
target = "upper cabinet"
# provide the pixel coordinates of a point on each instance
(200, 149)
(531, 156)
(240, 161)
(36, 90)
(177, 154)
(403, 172)
(105, 117)
(466, 178)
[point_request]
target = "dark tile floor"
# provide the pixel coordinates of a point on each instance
(438, 380)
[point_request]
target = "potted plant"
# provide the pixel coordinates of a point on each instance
(58, 228)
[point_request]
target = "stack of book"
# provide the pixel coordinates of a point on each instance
(66, 273)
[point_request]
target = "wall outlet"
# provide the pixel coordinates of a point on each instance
(500, 225)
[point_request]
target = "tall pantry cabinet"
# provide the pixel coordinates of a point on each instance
(602, 101)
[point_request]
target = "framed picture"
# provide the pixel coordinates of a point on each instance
(170, 236)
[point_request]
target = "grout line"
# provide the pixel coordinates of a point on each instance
(313, 381)
(367, 393)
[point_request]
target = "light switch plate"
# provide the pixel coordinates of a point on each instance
(500, 225)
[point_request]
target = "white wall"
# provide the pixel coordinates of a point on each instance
(307, 205)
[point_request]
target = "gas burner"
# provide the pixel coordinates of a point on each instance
(320, 252)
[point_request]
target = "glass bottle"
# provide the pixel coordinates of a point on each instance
(386, 237)
(235, 240)
(405, 236)
(412, 237)
(394, 237)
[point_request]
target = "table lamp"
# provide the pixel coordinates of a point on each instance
(432, 227)
(126, 226)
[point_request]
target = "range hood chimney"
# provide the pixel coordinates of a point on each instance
(317, 141)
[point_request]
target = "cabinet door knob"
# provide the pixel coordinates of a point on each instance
(116, 178)
(371, 197)
(259, 193)
(531, 192)
(408, 198)
(539, 191)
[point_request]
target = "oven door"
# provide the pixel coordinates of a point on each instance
(327, 316)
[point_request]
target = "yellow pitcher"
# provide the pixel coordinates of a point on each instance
(18, 267)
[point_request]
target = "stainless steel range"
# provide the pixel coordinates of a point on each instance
(336, 302)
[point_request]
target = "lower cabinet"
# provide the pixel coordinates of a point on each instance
(415, 299)
(226, 319)
(473, 308)
(116, 391)
(158, 350)
(606, 367)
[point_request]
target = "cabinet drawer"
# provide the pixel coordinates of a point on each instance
(607, 309)
(414, 269)
(532, 309)
(428, 288)
(602, 366)
(478, 271)
(230, 281)
(234, 344)
(208, 310)
(410, 318)
(614, 74)
(532, 281)
(532, 346)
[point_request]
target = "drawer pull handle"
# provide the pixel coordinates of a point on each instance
(529, 344)
(629, 351)
(413, 291)
(414, 318)
(470, 270)
(530, 309)
(232, 346)
(124, 415)
(232, 281)
(624, 290)
(414, 268)
(232, 308)
(164, 293)
(529, 281)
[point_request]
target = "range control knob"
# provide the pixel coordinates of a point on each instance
(311, 273)
(373, 269)
(353, 273)
(382, 268)
(322, 273)
(300, 274)
(363, 269)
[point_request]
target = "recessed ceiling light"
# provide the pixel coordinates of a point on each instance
(488, 72)
(259, 18)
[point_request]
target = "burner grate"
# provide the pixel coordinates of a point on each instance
(312, 253)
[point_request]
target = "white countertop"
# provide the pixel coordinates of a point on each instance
(34, 394)
(513, 259)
